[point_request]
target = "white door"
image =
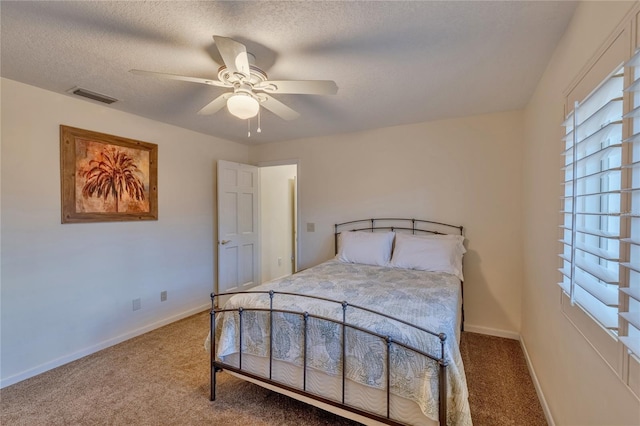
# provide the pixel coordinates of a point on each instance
(238, 227)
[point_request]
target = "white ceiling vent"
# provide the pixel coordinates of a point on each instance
(92, 95)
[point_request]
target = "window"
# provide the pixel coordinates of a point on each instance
(591, 210)
(630, 289)
(601, 205)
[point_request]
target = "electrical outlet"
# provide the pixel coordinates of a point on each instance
(279, 261)
(137, 304)
(163, 296)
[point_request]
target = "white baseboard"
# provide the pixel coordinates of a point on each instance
(491, 331)
(95, 348)
(536, 384)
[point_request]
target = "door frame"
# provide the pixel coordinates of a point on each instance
(289, 162)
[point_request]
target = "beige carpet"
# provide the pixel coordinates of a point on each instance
(162, 378)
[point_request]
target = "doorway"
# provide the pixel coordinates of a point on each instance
(278, 220)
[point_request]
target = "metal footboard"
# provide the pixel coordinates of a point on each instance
(344, 325)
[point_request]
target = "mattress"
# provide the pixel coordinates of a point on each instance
(427, 299)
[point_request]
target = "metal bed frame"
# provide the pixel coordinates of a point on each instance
(438, 359)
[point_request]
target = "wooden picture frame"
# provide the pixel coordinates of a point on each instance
(106, 178)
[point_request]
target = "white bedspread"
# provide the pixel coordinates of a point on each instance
(427, 299)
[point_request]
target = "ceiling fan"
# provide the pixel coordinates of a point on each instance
(251, 88)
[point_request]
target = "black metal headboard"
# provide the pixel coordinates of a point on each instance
(396, 224)
(405, 225)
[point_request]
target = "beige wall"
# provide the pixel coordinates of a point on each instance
(463, 171)
(67, 290)
(579, 387)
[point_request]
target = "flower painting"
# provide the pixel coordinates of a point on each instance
(113, 178)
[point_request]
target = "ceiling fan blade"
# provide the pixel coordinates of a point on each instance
(278, 108)
(234, 55)
(305, 87)
(180, 77)
(216, 105)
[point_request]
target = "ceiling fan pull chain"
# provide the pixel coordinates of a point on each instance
(259, 130)
(248, 127)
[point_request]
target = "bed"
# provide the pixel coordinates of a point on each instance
(372, 335)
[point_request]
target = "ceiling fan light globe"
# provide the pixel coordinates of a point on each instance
(243, 106)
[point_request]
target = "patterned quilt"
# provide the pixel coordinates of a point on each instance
(427, 299)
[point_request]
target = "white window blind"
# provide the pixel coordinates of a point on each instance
(601, 205)
(593, 173)
(630, 243)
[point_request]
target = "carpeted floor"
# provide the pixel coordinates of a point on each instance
(501, 391)
(162, 378)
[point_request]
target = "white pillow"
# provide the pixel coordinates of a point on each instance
(369, 248)
(435, 253)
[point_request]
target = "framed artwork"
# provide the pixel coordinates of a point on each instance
(107, 178)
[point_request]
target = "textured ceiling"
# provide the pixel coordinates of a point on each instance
(394, 62)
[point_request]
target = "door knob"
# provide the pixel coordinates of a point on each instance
(223, 242)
